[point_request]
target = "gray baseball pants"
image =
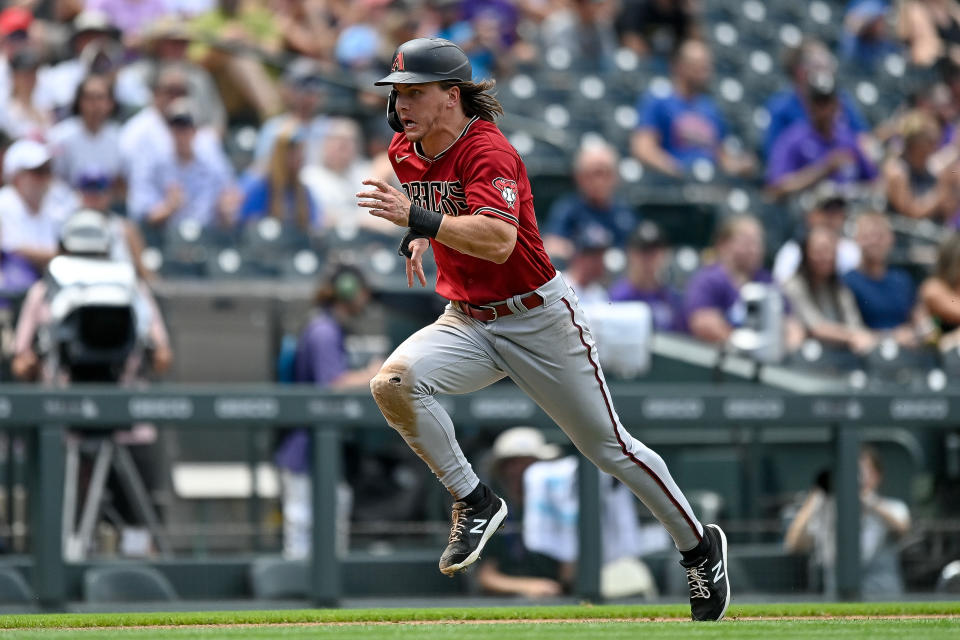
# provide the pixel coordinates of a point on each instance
(549, 353)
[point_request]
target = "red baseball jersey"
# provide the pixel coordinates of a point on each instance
(480, 173)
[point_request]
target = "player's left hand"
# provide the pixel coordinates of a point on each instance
(386, 202)
(418, 247)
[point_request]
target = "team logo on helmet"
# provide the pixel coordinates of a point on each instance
(507, 189)
(398, 62)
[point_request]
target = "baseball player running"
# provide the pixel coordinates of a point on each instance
(466, 194)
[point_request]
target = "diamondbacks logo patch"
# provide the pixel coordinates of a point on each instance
(507, 189)
(398, 63)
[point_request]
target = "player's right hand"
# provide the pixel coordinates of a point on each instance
(418, 247)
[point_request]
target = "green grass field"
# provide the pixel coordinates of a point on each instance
(873, 621)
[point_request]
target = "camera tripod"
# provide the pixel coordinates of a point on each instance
(77, 542)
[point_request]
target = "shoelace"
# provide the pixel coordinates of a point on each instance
(459, 521)
(699, 585)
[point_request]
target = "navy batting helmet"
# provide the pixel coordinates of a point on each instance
(428, 60)
(424, 60)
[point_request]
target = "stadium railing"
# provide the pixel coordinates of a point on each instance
(46, 413)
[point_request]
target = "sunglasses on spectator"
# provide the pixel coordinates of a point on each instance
(42, 170)
(176, 90)
(94, 185)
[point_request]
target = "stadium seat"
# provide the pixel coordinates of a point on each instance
(278, 579)
(134, 583)
(13, 588)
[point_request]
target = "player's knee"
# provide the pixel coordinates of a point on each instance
(391, 389)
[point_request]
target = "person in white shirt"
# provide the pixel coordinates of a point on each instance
(883, 522)
(335, 181)
(89, 141)
(829, 210)
(302, 92)
(185, 185)
(32, 205)
(146, 139)
(25, 114)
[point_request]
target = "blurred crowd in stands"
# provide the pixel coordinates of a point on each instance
(678, 151)
(227, 138)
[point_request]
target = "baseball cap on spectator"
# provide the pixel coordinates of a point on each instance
(646, 236)
(821, 85)
(85, 233)
(523, 442)
(14, 19)
(93, 181)
(593, 238)
(829, 197)
(357, 45)
(303, 73)
(24, 155)
(865, 12)
(180, 113)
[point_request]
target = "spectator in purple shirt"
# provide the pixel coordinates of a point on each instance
(712, 304)
(321, 359)
(647, 255)
(825, 147)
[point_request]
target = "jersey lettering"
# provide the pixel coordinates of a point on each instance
(447, 198)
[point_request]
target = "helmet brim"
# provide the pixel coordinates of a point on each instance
(412, 77)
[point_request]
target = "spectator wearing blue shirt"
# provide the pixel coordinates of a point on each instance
(684, 125)
(279, 193)
(823, 148)
(866, 37)
(789, 106)
(886, 296)
(594, 204)
(187, 185)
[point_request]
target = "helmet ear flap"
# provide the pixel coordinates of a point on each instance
(393, 118)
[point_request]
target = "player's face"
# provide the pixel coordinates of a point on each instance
(420, 107)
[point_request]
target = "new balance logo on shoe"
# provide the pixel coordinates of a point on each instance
(478, 528)
(717, 571)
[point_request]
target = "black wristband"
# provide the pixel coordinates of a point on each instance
(404, 249)
(425, 221)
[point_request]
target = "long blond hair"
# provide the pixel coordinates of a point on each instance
(282, 178)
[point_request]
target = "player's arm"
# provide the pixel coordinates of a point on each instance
(483, 237)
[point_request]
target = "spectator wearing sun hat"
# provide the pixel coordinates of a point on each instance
(535, 554)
